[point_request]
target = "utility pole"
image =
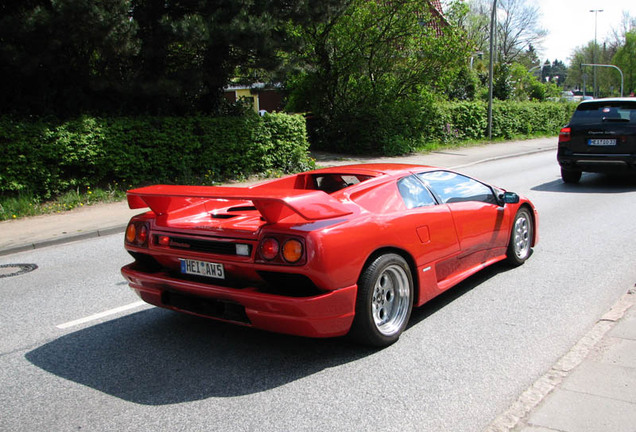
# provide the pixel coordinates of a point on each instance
(594, 51)
(493, 23)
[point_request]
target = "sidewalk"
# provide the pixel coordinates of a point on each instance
(592, 388)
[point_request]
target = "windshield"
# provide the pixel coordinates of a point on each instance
(605, 112)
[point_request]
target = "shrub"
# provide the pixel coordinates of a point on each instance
(399, 128)
(469, 120)
(47, 158)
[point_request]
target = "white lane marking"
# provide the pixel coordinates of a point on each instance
(101, 315)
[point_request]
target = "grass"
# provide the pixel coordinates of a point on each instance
(26, 205)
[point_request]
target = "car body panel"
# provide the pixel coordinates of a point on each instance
(340, 231)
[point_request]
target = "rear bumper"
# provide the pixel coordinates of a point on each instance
(325, 315)
(601, 163)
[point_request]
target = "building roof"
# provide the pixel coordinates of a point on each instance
(439, 21)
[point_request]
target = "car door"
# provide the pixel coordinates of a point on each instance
(433, 223)
(478, 217)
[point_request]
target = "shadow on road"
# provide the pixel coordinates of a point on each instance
(592, 183)
(433, 306)
(159, 357)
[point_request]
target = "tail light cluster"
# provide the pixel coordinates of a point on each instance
(281, 250)
(137, 234)
(564, 135)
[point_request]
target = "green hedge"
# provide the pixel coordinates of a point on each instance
(469, 120)
(401, 128)
(46, 158)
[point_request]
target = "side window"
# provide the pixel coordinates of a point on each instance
(414, 193)
(452, 187)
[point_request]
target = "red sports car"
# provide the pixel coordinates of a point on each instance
(335, 251)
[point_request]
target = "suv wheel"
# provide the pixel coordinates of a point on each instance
(570, 175)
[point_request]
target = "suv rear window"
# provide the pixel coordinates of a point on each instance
(604, 111)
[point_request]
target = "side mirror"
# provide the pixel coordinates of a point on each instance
(509, 198)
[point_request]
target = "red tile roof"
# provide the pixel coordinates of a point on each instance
(439, 21)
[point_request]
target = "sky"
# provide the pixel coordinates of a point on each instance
(570, 24)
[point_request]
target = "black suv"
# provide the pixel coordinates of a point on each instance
(601, 137)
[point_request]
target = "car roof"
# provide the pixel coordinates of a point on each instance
(604, 100)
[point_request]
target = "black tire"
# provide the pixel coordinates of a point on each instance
(570, 175)
(384, 301)
(521, 236)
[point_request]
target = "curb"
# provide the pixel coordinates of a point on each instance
(65, 239)
(530, 399)
(509, 156)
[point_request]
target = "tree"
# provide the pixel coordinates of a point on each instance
(64, 54)
(150, 56)
(518, 28)
(618, 34)
(372, 64)
(529, 58)
(625, 59)
(555, 72)
(476, 24)
(581, 77)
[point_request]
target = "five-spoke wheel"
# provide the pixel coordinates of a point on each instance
(385, 300)
(521, 237)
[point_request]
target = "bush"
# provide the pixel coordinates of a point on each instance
(400, 128)
(375, 125)
(47, 158)
(469, 120)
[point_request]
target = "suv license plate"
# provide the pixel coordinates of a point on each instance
(202, 268)
(601, 142)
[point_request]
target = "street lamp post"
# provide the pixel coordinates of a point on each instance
(596, 11)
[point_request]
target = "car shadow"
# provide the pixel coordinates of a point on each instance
(159, 357)
(441, 301)
(592, 183)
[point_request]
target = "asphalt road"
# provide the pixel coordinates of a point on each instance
(465, 358)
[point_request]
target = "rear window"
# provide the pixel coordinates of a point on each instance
(334, 182)
(605, 112)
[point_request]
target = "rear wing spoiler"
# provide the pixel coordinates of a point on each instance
(272, 204)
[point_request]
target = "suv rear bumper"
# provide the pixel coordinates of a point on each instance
(601, 163)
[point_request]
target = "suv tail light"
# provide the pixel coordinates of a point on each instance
(564, 135)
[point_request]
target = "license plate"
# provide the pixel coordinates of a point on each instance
(202, 268)
(601, 142)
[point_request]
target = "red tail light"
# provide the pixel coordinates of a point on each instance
(564, 135)
(137, 234)
(270, 248)
(281, 249)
